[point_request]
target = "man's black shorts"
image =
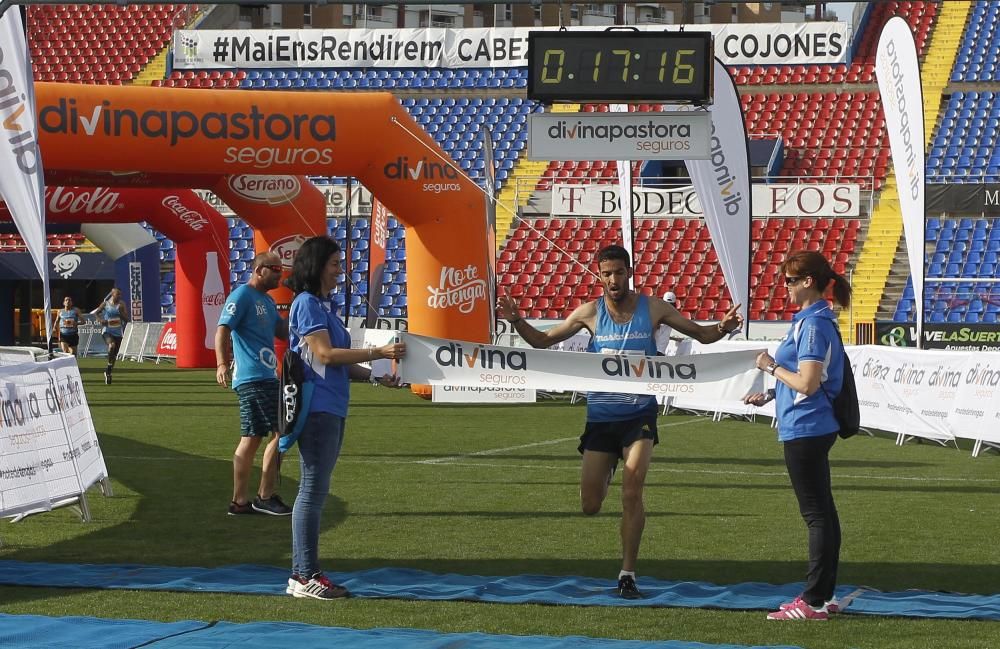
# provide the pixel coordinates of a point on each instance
(73, 340)
(614, 436)
(110, 339)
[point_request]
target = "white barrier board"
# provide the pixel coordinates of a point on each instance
(49, 452)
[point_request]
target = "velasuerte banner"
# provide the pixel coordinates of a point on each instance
(436, 361)
(501, 47)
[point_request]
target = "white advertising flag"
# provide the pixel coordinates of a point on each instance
(723, 186)
(435, 361)
(22, 184)
(899, 84)
(625, 198)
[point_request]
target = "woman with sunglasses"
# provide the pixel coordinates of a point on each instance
(808, 368)
(320, 338)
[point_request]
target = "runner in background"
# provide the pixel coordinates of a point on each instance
(69, 326)
(114, 316)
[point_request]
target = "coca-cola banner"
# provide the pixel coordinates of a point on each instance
(167, 345)
(195, 230)
(500, 47)
(769, 200)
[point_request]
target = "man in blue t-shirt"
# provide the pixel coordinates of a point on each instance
(246, 332)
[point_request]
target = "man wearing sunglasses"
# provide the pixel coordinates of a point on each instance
(246, 332)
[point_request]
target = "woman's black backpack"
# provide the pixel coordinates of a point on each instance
(294, 396)
(845, 404)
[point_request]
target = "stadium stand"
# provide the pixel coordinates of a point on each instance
(830, 133)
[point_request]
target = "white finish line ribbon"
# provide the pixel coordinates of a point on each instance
(436, 361)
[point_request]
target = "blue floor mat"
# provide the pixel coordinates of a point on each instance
(94, 633)
(396, 583)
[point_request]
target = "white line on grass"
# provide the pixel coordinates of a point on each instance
(498, 451)
(655, 469)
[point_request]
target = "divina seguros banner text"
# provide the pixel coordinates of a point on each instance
(436, 361)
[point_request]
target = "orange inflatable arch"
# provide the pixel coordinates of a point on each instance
(253, 149)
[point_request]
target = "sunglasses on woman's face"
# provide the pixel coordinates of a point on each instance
(790, 281)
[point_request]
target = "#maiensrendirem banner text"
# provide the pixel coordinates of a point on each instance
(436, 361)
(488, 47)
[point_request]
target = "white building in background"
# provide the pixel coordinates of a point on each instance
(543, 13)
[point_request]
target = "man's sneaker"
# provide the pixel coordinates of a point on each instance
(627, 588)
(318, 587)
(293, 582)
(832, 607)
(236, 509)
(273, 506)
(107, 377)
(799, 610)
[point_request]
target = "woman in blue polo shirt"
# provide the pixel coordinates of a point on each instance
(320, 338)
(808, 368)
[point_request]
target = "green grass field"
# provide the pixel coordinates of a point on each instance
(492, 490)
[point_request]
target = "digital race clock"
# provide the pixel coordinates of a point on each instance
(577, 66)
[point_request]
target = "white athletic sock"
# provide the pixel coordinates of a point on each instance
(630, 573)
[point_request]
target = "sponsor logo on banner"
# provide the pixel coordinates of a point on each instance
(65, 200)
(180, 126)
(769, 200)
(458, 288)
(626, 136)
(335, 197)
(188, 42)
(273, 190)
(946, 336)
(896, 335)
(736, 44)
(193, 219)
(287, 248)
(642, 368)
(66, 264)
(438, 176)
(213, 299)
(455, 355)
(167, 345)
(19, 133)
(464, 394)
(898, 74)
(135, 289)
(448, 362)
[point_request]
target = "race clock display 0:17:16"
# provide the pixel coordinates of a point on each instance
(620, 66)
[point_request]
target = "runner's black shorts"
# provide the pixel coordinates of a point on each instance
(615, 436)
(73, 340)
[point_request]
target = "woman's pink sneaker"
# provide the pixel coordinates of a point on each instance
(799, 610)
(832, 606)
